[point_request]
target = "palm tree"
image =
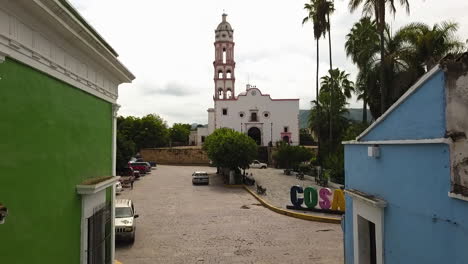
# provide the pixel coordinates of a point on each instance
(337, 82)
(337, 85)
(430, 44)
(314, 12)
(377, 8)
(321, 17)
(362, 43)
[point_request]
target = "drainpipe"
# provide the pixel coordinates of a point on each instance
(115, 109)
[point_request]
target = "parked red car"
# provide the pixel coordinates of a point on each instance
(142, 167)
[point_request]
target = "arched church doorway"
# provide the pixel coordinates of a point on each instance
(255, 134)
(286, 139)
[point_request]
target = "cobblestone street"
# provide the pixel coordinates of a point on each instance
(181, 223)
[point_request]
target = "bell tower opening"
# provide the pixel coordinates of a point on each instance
(224, 64)
(224, 55)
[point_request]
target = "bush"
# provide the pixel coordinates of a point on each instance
(334, 164)
(288, 156)
(305, 168)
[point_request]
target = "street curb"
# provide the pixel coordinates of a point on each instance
(331, 220)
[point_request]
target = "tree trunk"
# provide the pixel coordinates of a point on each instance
(331, 67)
(364, 110)
(383, 85)
(317, 125)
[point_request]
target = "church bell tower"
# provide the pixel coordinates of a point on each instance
(224, 78)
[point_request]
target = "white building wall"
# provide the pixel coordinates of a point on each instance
(211, 120)
(201, 132)
(282, 113)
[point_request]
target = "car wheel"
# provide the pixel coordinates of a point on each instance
(263, 167)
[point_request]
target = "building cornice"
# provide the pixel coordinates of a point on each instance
(66, 19)
(43, 45)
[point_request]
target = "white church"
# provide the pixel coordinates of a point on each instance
(252, 112)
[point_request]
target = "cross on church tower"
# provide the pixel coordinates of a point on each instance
(224, 64)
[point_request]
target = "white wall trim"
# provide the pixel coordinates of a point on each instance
(371, 213)
(457, 196)
(403, 98)
(400, 142)
(95, 188)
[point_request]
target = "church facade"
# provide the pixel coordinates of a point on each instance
(252, 112)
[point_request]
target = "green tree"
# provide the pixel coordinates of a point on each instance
(152, 132)
(288, 156)
(378, 9)
(431, 44)
(180, 133)
(336, 86)
(230, 149)
(149, 131)
(305, 138)
(125, 151)
(362, 43)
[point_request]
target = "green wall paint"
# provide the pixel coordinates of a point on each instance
(52, 137)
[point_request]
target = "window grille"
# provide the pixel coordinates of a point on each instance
(99, 235)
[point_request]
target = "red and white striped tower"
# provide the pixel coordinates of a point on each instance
(224, 64)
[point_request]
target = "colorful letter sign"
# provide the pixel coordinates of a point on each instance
(311, 198)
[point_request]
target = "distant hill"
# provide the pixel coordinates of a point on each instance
(354, 114)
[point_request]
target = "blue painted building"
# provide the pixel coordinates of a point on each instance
(407, 176)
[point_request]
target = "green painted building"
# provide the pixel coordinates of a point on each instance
(58, 89)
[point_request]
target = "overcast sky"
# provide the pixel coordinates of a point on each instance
(168, 45)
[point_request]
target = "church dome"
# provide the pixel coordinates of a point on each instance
(224, 31)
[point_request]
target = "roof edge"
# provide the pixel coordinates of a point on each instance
(403, 98)
(88, 26)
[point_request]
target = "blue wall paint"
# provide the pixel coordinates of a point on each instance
(421, 223)
(420, 116)
(349, 248)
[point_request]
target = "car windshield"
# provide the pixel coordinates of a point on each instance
(121, 212)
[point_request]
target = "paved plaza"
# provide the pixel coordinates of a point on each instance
(181, 223)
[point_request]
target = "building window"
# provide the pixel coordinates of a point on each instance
(266, 114)
(203, 139)
(241, 114)
(220, 93)
(220, 74)
(224, 53)
(285, 129)
(253, 117)
(224, 111)
(228, 74)
(228, 93)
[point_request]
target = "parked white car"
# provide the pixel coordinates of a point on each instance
(200, 177)
(259, 165)
(125, 220)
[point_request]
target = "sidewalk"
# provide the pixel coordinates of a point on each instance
(278, 186)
